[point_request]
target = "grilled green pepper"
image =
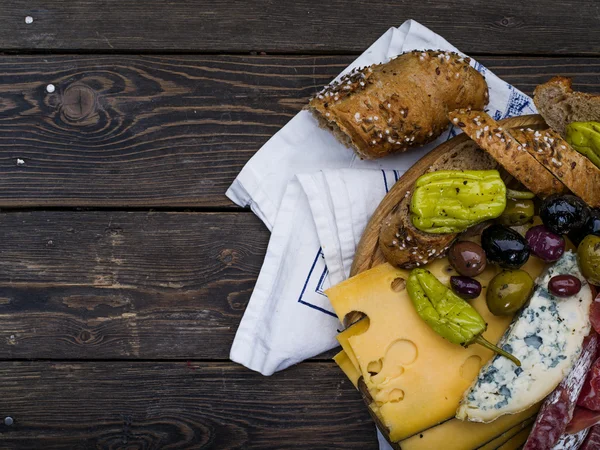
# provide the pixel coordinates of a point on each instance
(447, 314)
(450, 201)
(585, 138)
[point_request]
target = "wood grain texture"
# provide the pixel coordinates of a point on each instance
(141, 131)
(158, 131)
(94, 285)
(478, 26)
(179, 405)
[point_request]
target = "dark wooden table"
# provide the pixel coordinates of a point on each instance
(124, 270)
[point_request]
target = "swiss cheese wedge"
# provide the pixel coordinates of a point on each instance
(415, 377)
(342, 360)
(472, 435)
(357, 328)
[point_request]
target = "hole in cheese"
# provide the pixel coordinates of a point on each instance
(353, 317)
(396, 395)
(374, 367)
(399, 284)
(402, 351)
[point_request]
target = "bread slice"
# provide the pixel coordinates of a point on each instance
(391, 107)
(400, 242)
(509, 153)
(573, 169)
(559, 105)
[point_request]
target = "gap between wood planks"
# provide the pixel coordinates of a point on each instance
(183, 209)
(316, 360)
(259, 53)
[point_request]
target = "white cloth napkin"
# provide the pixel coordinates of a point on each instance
(316, 197)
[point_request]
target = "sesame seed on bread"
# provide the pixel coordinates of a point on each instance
(391, 107)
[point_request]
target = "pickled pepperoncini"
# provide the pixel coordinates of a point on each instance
(447, 314)
(450, 201)
(585, 138)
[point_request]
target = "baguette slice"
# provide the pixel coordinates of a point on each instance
(388, 108)
(509, 153)
(573, 169)
(559, 105)
(400, 242)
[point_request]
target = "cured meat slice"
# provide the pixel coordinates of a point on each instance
(571, 441)
(557, 410)
(590, 393)
(592, 441)
(582, 418)
(595, 314)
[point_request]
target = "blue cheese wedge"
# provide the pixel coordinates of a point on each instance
(546, 336)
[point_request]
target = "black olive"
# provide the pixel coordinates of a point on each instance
(504, 246)
(591, 226)
(563, 213)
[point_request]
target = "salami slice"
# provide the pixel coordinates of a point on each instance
(592, 441)
(590, 393)
(557, 410)
(582, 418)
(595, 314)
(571, 441)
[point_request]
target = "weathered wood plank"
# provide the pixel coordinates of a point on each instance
(125, 285)
(158, 131)
(179, 405)
(141, 131)
(477, 26)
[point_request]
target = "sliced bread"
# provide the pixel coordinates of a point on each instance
(400, 242)
(559, 105)
(574, 170)
(509, 153)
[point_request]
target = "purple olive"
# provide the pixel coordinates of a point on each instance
(465, 287)
(545, 244)
(564, 285)
(467, 258)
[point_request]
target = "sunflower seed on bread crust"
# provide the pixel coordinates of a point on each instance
(573, 169)
(509, 152)
(389, 108)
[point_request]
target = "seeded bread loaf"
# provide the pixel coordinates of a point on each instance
(573, 169)
(400, 242)
(509, 152)
(388, 108)
(559, 105)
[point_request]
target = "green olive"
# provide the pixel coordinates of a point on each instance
(588, 255)
(517, 212)
(508, 291)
